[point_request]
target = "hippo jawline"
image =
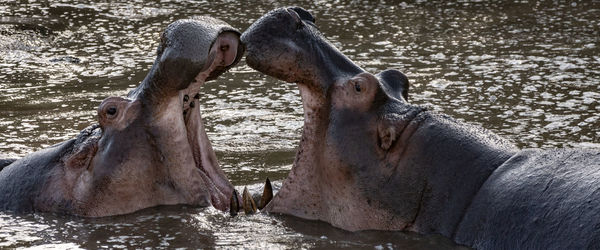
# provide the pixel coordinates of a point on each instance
(204, 157)
(178, 129)
(184, 143)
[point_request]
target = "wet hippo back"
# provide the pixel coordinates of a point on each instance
(20, 187)
(556, 192)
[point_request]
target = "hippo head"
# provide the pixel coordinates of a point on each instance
(367, 158)
(151, 148)
(347, 122)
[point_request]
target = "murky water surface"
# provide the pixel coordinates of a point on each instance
(529, 71)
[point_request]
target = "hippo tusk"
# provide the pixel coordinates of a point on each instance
(248, 202)
(234, 203)
(267, 194)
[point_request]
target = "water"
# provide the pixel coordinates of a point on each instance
(184, 227)
(529, 71)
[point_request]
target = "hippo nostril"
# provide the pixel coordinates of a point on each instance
(197, 96)
(186, 98)
(192, 104)
(111, 111)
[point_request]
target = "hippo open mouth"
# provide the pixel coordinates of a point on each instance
(148, 149)
(352, 121)
(184, 143)
(203, 154)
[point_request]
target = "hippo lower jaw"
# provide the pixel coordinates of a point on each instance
(314, 192)
(205, 160)
(222, 55)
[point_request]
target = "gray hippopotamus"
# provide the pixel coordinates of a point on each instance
(148, 149)
(370, 160)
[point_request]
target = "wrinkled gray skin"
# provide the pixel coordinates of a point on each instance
(370, 160)
(148, 149)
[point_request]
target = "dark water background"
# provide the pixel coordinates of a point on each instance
(527, 70)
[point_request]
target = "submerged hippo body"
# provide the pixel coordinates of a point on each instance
(370, 160)
(148, 149)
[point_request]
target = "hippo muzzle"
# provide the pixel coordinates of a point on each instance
(286, 44)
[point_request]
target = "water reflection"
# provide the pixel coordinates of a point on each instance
(529, 71)
(177, 227)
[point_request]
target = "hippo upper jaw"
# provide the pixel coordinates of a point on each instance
(285, 44)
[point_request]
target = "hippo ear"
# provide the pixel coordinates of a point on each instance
(303, 14)
(395, 83)
(82, 155)
(388, 129)
(394, 125)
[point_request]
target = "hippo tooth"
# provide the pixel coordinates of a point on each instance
(248, 202)
(234, 203)
(267, 194)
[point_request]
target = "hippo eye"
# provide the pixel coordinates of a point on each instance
(357, 87)
(111, 111)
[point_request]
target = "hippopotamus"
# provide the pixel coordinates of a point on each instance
(147, 149)
(370, 160)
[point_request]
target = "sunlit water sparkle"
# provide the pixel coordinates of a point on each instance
(527, 71)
